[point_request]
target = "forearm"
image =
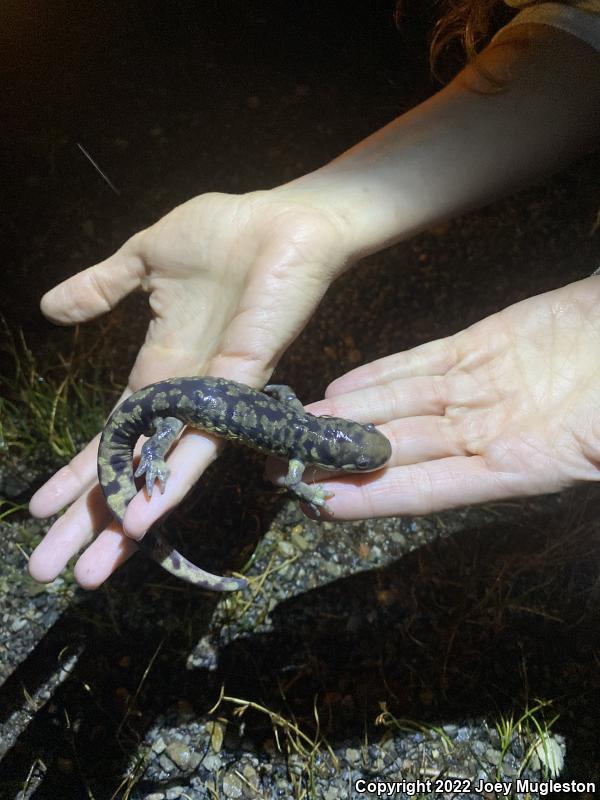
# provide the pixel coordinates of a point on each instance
(467, 144)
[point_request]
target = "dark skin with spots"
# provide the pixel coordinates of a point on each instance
(273, 422)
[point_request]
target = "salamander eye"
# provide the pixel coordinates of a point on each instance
(362, 461)
(369, 427)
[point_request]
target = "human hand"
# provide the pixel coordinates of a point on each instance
(231, 281)
(506, 408)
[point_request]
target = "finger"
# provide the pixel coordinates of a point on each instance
(410, 398)
(380, 403)
(72, 531)
(95, 290)
(193, 453)
(419, 489)
(67, 484)
(416, 440)
(431, 358)
(106, 553)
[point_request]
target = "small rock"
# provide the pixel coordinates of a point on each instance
(375, 554)
(232, 785)
(397, 537)
(204, 655)
(299, 541)
(251, 776)
(18, 625)
(478, 748)
(493, 756)
(286, 549)
(166, 763)
(352, 756)
(333, 569)
(212, 762)
(176, 793)
(159, 745)
(181, 754)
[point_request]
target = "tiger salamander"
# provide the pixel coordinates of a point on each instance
(272, 421)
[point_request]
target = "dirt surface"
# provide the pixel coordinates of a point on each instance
(176, 99)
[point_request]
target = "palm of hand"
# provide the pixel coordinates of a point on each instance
(508, 407)
(231, 282)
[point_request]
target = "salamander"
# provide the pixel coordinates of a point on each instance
(272, 421)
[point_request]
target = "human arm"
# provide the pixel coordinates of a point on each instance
(468, 144)
(232, 280)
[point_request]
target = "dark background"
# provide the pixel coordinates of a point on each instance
(176, 98)
(173, 99)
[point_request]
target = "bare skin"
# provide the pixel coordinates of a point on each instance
(505, 408)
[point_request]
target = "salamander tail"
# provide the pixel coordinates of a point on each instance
(115, 473)
(170, 559)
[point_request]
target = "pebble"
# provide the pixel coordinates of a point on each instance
(333, 569)
(299, 541)
(182, 755)
(375, 553)
(18, 625)
(176, 793)
(493, 756)
(232, 785)
(212, 762)
(166, 763)
(251, 776)
(286, 549)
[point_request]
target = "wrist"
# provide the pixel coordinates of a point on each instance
(368, 218)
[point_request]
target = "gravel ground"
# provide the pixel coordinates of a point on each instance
(413, 639)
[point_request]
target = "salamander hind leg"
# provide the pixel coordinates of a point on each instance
(152, 460)
(313, 494)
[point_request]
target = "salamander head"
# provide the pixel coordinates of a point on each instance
(356, 447)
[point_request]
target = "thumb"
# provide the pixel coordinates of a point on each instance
(95, 290)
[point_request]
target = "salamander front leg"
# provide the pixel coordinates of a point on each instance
(313, 494)
(152, 461)
(285, 394)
